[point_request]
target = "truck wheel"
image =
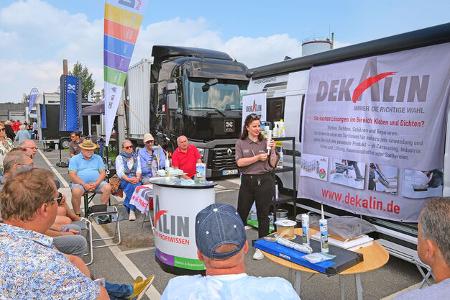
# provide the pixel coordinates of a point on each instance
(65, 143)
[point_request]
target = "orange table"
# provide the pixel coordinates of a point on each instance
(375, 256)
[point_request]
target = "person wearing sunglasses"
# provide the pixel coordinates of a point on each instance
(6, 145)
(29, 147)
(152, 158)
(65, 216)
(128, 169)
(257, 182)
(9, 130)
(31, 266)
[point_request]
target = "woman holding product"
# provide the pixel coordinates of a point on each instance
(257, 183)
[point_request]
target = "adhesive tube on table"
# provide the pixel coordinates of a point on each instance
(167, 163)
(305, 229)
(295, 246)
(323, 224)
(269, 139)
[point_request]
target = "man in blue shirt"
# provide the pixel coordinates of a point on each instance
(433, 247)
(222, 245)
(87, 173)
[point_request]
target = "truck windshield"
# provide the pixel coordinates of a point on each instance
(220, 96)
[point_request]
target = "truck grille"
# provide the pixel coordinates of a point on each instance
(222, 159)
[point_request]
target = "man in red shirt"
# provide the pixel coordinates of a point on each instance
(16, 125)
(185, 157)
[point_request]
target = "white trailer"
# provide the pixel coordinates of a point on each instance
(286, 85)
(137, 104)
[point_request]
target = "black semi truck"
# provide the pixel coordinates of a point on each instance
(192, 92)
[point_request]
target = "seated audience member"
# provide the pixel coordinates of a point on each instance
(16, 161)
(152, 158)
(128, 169)
(9, 131)
(66, 239)
(87, 173)
(31, 267)
(64, 215)
(22, 134)
(74, 145)
(185, 157)
(29, 147)
(222, 245)
(433, 247)
(6, 144)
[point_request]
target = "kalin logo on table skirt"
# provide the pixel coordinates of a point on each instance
(170, 224)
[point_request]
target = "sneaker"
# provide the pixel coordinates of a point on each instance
(140, 286)
(258, 255)
(131, 216)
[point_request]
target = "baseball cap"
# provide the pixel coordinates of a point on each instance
(148, 137)
(217, 225)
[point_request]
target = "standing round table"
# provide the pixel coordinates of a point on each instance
(176, 204)
(375, 256)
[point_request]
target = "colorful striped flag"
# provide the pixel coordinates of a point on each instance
(123, 19)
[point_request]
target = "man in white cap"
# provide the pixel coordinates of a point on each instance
(87, 173)
(152, 158)
(222, 245)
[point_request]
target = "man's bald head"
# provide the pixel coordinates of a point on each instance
(14, 160)
(182, 142)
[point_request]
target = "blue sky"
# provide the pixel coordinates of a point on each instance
(37, 34)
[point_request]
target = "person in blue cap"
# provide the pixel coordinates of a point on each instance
(222, 245)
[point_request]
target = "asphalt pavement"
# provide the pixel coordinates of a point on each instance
(135, 255)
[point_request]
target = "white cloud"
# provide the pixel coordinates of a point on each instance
(34, 44)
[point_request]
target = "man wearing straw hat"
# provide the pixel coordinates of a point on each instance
(87, 173)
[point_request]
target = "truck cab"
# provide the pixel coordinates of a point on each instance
(197, 93)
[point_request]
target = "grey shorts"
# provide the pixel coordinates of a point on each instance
(98, 190)
(71, 244)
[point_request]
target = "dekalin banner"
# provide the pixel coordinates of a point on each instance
(374, 133)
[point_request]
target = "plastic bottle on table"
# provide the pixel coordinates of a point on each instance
(323, 225)
(305, 229)
(167, 165)
(200, 174)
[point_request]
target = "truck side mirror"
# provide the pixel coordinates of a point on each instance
(172, 101)
(171, 95)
